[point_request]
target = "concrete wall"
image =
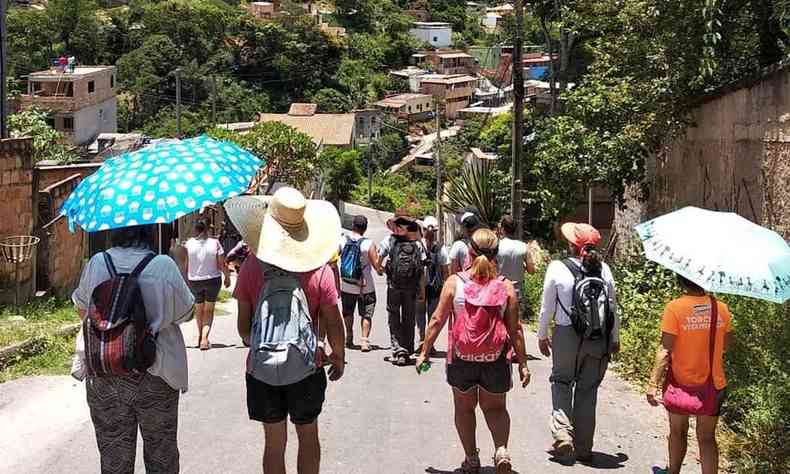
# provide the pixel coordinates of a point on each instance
(733, 156)
(95, 119)
(17, 212)
(436, 37)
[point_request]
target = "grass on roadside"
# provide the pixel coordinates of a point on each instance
(40, 319)
(51, 355)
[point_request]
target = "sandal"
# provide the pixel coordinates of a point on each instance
(471, 464)
(205, 346)
(502, 461)
(365, 346)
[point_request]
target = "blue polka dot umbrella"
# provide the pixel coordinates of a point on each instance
(160, 183)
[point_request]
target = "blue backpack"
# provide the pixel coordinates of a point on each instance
(351, 261)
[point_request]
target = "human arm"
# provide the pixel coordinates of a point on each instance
(548, 308)
(373, 258)
(244, 320)
(529, 263)
(615, 343)
(382, 255)
(663, 357)
(332, 322)
(516, 334)
(438, 319)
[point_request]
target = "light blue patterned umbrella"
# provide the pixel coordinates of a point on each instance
(160, 183)
(720, 251)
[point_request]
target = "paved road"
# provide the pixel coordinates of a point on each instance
(378, 418)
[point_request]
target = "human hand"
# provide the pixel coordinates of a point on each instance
(651, 397)
(420, 360)
(338, 366)
(524, 375)
(545, 347)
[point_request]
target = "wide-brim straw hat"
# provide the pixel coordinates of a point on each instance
(286, 230)
(401, 214)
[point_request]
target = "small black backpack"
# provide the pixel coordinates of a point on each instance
(404, 267)
(590, 314)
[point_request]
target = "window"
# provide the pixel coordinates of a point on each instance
(91, 87)
(68, 123)
(112, 81)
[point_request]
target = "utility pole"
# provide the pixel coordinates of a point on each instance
(437, 161)
(178, 102)
(518, 119)
(213, 101)
(3, 73)
(371, 155)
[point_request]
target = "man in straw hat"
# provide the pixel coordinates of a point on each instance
(579, 356)
(403, 257)
(289, 235)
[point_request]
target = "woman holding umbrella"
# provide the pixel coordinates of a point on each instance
(697, 244)
(691, 355)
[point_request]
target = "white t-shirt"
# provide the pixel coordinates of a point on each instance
(558, 286)
(510, 261)
(168, 302)
(367, 274)
(459, 252)
(202, 258)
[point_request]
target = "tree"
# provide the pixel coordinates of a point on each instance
(331, 101)
(47, 142)
(290, 155)
(342, 171)
(76, 25)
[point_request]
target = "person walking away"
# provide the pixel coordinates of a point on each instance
(513, 258)
(696, 331)
(205, 269)
(459, 252)
(358, 290)
(436, 273)
(579, 294)
(127, 293)
(286, 292)
(484, 329)
(402, 257)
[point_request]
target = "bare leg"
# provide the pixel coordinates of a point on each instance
(208, 320)
(678, 441)
(199, 308)
(465, 421)
(498, 419)
(275, 439)
(708, 448)
(348, 319)
(367, 323)
(309, 458)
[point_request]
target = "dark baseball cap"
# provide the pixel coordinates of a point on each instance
(470, 220)
(360, 222)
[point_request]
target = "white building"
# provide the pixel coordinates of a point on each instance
(437, 34)
(82, 101)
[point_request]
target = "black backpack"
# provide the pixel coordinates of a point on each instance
(404, 267)
(590, 314)
(434, 280)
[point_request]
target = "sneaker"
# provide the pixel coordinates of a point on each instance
(563, 448)
(365, 345)
(471, 464)
(502, 461)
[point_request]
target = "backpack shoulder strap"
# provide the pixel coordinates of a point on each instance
(714, 323)
(143, 263)
(110, 265)
(573, 268)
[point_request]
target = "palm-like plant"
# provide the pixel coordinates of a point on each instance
(472, 187)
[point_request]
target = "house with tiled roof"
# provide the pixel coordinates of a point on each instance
(325, 129)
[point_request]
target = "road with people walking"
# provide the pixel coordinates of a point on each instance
(377, 418)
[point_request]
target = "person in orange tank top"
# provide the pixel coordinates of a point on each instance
(684, 349)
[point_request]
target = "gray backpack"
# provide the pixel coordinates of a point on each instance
(283, 341)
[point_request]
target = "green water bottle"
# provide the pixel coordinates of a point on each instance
(424, 367)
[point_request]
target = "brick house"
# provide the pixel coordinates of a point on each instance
(410, 107)
(453, 91)
(449, 61)
(83, 102)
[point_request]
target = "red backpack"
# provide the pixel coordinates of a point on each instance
(478, 332)
(118, 339)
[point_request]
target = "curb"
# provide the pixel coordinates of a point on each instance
(8, 353)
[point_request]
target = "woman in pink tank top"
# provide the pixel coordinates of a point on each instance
(482, 332)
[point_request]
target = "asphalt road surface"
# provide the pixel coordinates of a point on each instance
(377, 419)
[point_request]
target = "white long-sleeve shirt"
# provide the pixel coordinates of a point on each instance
(558, 286)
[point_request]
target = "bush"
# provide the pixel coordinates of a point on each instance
(392, 191)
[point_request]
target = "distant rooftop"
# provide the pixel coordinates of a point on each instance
(302, 109)
(431, 24)
(401, 99)
(79, 71)
(454, 55)
(447, 78)
(326, 129)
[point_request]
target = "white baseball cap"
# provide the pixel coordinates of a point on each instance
(430, 221)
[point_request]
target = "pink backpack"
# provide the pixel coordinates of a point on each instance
(478, 332)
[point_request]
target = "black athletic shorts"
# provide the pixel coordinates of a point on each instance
(493, 377)
(302, 401)
(205, 291)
